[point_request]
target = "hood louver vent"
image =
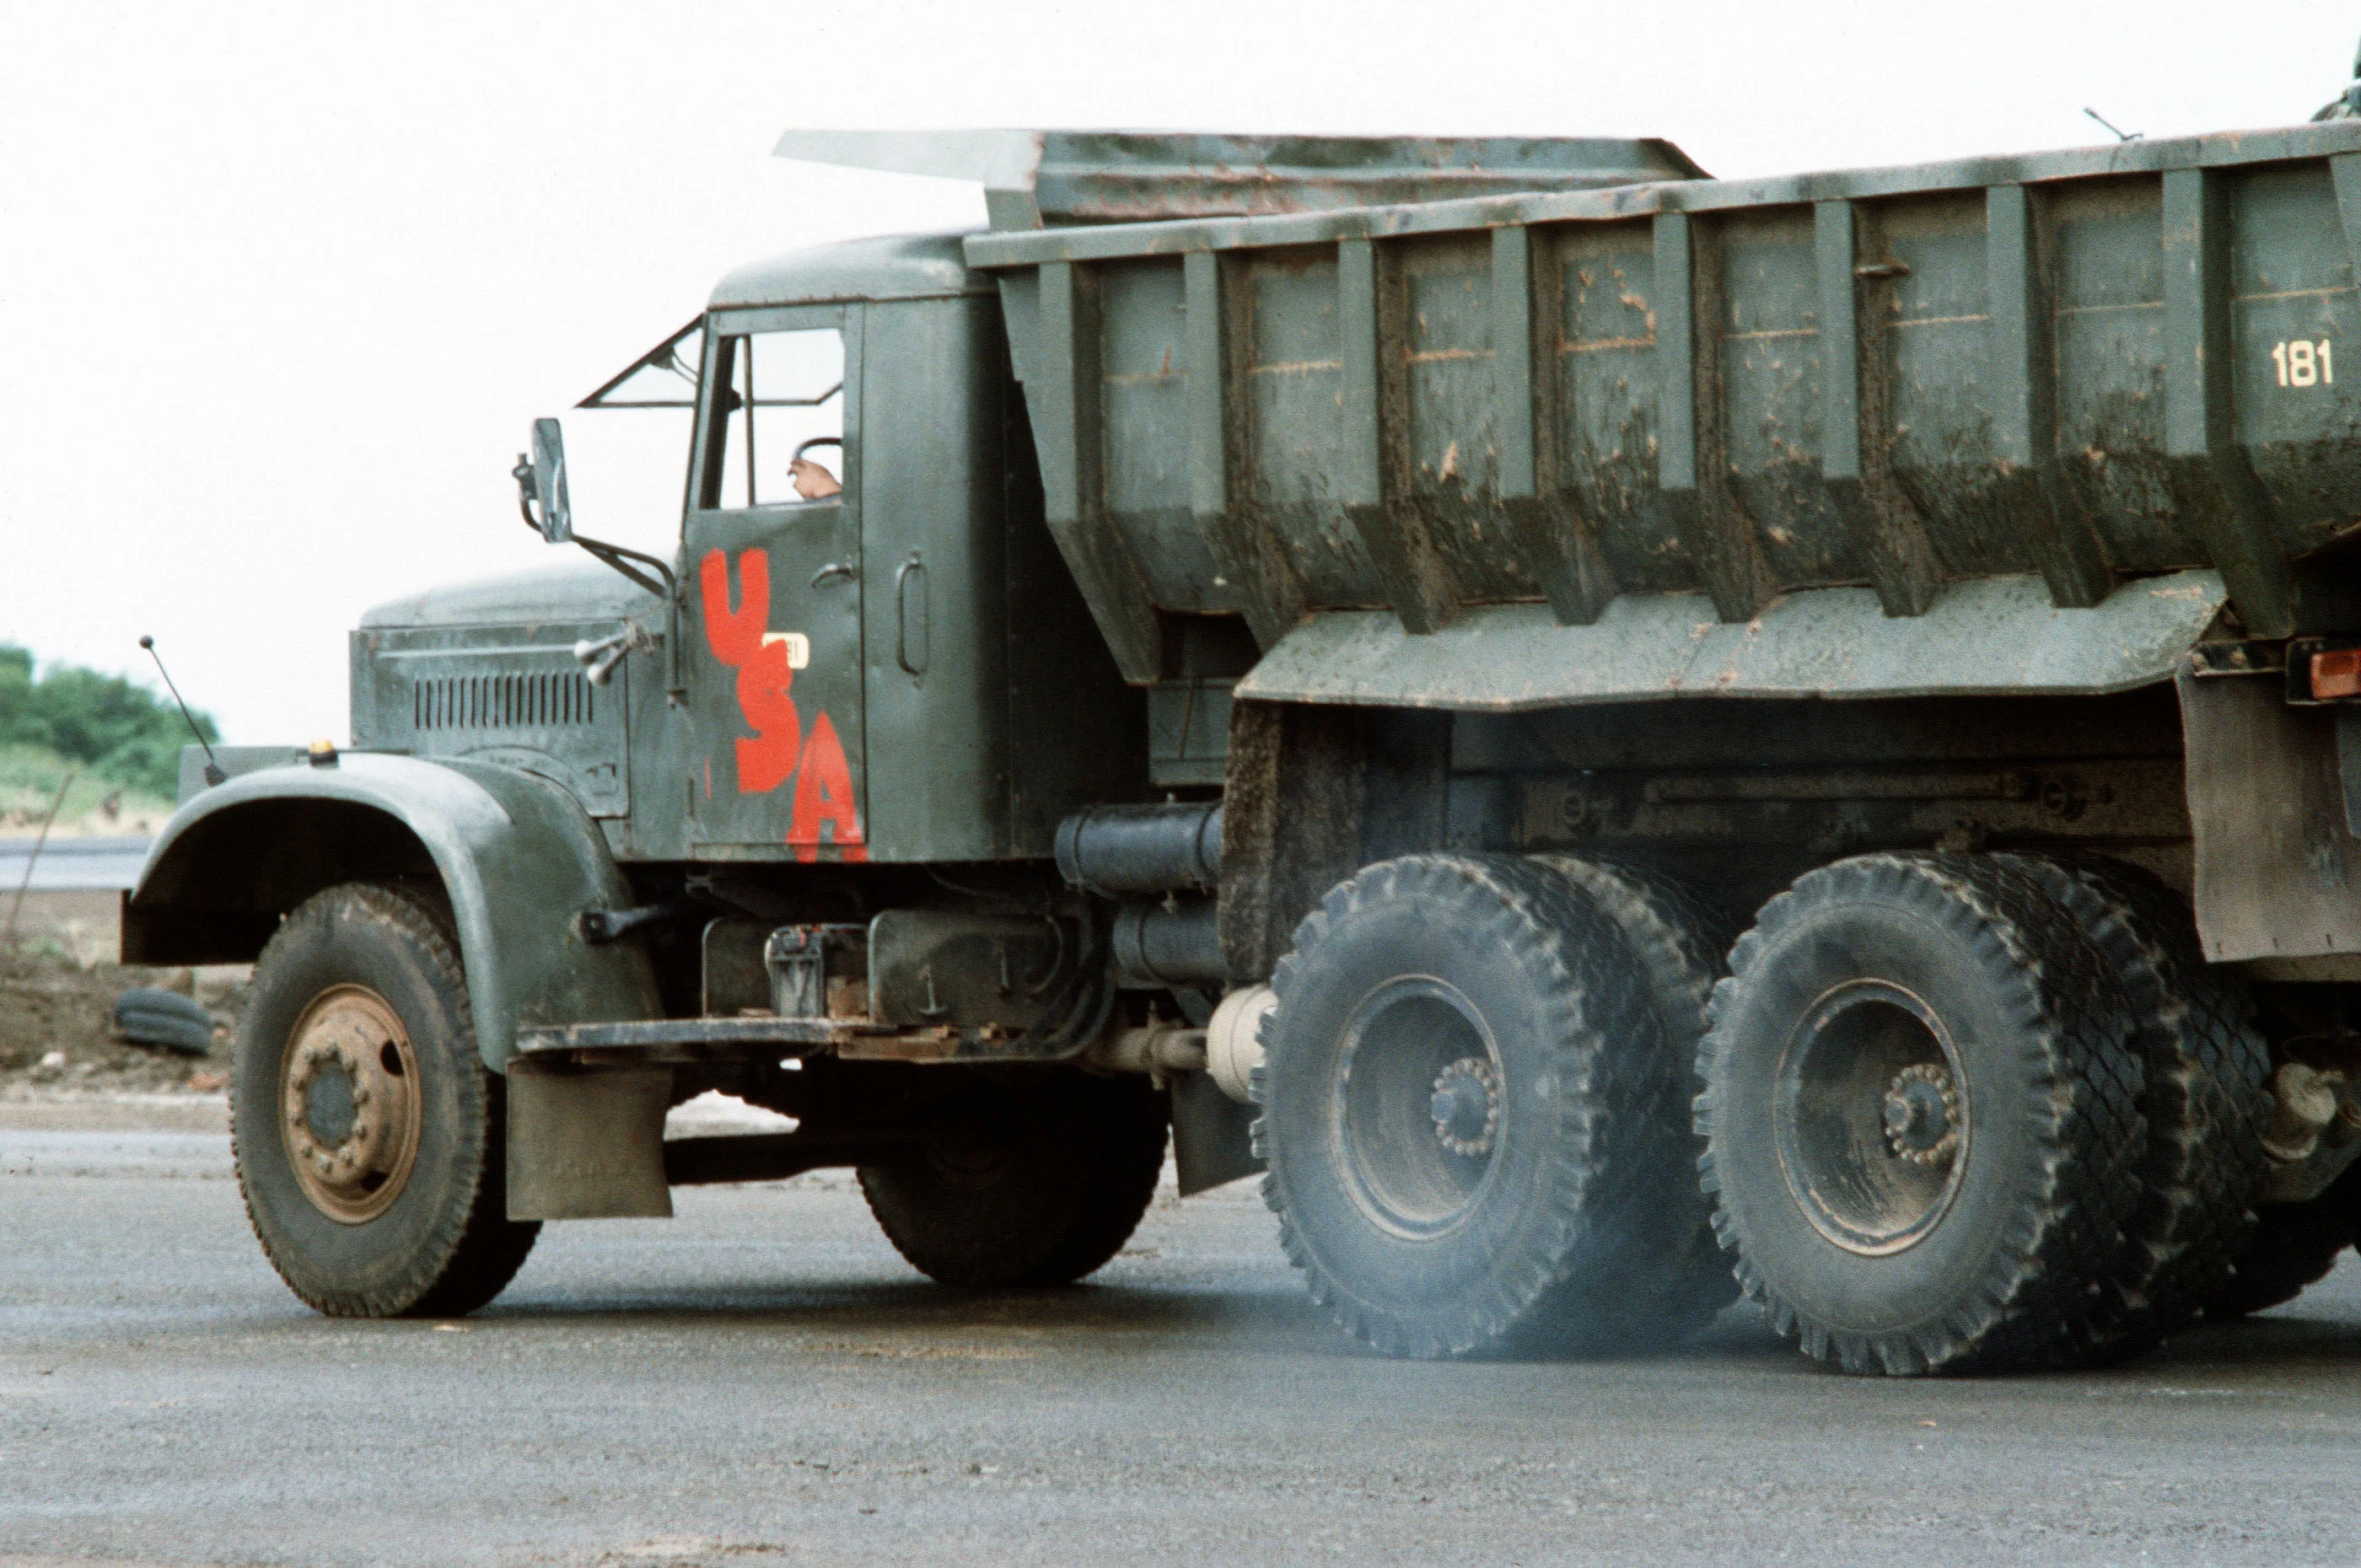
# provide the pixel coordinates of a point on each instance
(553, 701)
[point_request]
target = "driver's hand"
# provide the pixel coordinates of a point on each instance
(813, 483)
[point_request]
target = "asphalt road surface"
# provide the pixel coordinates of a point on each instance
(761, 1381)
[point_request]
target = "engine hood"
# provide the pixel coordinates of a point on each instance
(579, 589)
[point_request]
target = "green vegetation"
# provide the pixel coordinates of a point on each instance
(103, 725)
(29, 777)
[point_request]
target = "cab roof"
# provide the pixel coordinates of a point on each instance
(885, 266)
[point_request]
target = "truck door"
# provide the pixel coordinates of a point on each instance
(774, 587)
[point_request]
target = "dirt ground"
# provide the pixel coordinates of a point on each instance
(56, 1033)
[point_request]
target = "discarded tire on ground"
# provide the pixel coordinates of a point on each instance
(1922, 1116)
(1453, 1139)
(1041, 1186)
(367, 1132)
(2205, 1100)
(1682, 945)
(148, 1016)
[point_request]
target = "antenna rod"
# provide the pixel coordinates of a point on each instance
(214, 774)
(2120, 135)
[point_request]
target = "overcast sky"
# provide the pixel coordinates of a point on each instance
(282, 288)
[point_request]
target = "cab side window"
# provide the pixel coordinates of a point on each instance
(783, 401)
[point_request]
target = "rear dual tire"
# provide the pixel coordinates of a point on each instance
(1977, 1112)
(2204, 1097)
(1682, 945)
(1471, 1107)
(2291, 1248)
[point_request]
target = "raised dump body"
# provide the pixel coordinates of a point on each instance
(1524, 450)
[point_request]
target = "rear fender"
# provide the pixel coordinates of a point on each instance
(516, 857)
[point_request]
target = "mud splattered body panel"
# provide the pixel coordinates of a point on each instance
(2082, 369)
(510, 695)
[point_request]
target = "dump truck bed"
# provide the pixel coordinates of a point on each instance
(2021, 425)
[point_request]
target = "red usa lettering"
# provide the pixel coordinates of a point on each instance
(740, 638)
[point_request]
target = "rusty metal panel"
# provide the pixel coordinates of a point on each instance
(2026, 482)
(1889, 537)
(1993, 635)
(1559, 546)
(1444, 452)
(2290, 281)
(1772, 396)
(2278, 869)
(1938, 365)
(2213, 481)
(1253, 563)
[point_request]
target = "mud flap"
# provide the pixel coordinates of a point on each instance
(1211, 1134)
(587, 1143)
(2278, 863)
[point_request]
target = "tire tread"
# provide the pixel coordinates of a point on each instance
(473, 1249)
(2035, 1305)
(1569, 1292)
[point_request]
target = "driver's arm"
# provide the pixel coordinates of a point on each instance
(813, 483)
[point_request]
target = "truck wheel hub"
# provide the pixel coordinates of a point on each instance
(1871, 1123)
(350, 1104)
(1415, 1112)
(1466, 1106)
(1922, 1113)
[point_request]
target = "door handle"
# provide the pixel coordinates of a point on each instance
(911, 635)
(833, 569)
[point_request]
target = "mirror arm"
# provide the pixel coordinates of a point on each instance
(549, 450)
(621, 559)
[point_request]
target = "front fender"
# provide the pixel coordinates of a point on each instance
(517, 856)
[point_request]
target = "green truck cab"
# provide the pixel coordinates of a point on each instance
(1484, 679)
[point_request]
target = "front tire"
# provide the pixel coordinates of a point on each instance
(366, 1131)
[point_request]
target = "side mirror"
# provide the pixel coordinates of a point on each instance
(540, 484)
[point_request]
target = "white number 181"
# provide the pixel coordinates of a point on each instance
(2304, 364)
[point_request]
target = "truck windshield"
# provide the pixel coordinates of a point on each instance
(787, 391)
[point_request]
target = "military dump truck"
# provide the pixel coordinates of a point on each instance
(1624, 737)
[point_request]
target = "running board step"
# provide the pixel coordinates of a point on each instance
(659, 1041)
